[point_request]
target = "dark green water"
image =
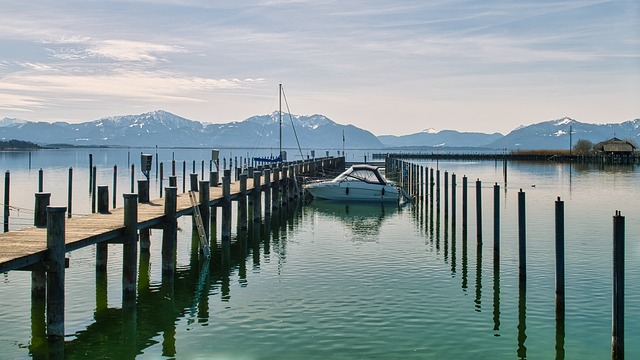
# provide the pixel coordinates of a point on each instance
(326, 280)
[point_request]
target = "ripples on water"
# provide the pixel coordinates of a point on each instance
(345, 282)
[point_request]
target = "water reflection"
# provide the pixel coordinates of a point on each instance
(363, 221)
(522, 320)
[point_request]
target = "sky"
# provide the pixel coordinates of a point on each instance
(391, 67)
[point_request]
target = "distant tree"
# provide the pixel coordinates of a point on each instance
(583, 147)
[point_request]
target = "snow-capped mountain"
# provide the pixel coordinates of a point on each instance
(168, 130)
(554, 134)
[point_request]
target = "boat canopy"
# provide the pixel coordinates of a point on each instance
(367, 173)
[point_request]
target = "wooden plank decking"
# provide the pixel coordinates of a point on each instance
(26, 247)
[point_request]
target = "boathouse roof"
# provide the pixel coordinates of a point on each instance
(615, 145)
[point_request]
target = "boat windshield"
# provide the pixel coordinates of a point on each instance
(371, 176)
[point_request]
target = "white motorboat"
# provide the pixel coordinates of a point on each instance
(358, 183)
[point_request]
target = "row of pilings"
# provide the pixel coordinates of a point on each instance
(424, 184)
(275, 187)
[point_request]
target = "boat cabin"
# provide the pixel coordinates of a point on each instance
(366, 173)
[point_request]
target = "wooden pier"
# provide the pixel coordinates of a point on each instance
(41, 249)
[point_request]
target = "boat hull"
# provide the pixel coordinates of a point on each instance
(353, 191)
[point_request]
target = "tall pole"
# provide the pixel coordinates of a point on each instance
(280, 117)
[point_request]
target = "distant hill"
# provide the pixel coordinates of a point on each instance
(444, 138)
(168, 130)
(554, 134)
(164, 129)
(18, 145)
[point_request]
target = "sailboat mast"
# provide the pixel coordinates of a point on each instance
(280, 116)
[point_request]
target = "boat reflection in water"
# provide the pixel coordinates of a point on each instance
(361, 221)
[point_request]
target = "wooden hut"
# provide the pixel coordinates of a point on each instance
(615, 150)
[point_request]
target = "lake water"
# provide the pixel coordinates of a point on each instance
(327, 280)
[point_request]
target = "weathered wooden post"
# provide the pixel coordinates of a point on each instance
(226, 207)
(559, 278)
(103, 199)
(184, 175)
(133, 177)
(169, 234)
(257, 196)
(161, 177)
(173, 181)
(496, 220)
(70, 193)
(446, 194)
(276, 189)
(143, 198)
(285, 184)
(40, 180)
(522, 237)
(267, 191)
(205, 209)
(90, 172)
(214, 179)
(130, 250)
(93, 190)
(464, 204)
(453, 201)
(242, 202)
(479, 210)
(193, 177)
(40, 215)
(115, 184)
(438, 191)
(55, 274)
(617, 331)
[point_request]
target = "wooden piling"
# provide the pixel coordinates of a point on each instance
(453, 201)
(40, 213)
(130, 250)
(7, 181)
(479, 210)
(522, 237)
(90, 172)
(143, 197)
(103, 199)
(173, 181)
(169, 234)
(40, 180)
(496, 220)
(193, 177)
(242, 203)
(257, 197)
(214, 179)
(464, 204)
(184, 175)
(161, 177)
(133, 177)
(204, 207)
(93, 190)
(276, 189)
(267, 191)
(617, 331)
(55, 273)
(115, 184)
(226, 207)
(70, 193)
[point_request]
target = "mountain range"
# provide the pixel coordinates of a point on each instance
(161, 128)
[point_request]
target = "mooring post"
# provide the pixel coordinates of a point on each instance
(184, 175)
(6, 200)
(242, 202)
(453, 201)
(446, 194)
(267, 191)
(70, 193)
(130, 250)
(133, 177)
(143, 198)
(40, 180)
(213, 179)
(40, 214)
(257, 196)
(617, 331)
(276, 188)
(522, 237)
(169, 233)
(161, 177)
(103, 199)
(173, 181)
(205, 209)
(479, 210)
(193, 177)
(559, 278)
(464, 204)
(226, 207)
(115, 184)
(496, 220)
(173, 167)
(93, 190)
(55, 273)
(285, 184)
(90, 172)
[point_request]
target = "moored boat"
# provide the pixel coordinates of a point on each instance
(358, 183)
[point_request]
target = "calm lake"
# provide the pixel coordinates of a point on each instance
(321, 280)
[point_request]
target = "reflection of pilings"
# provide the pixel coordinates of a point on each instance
(496, 294)
(464, 259)
(522, 320)
(478, 299)
(130, 250)
(257, 197)
(438, 191)
(226, 207)
(617, 332)
(38, 347)
(242, 203)
(267, 191)
(522, 237)
(453, 250)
